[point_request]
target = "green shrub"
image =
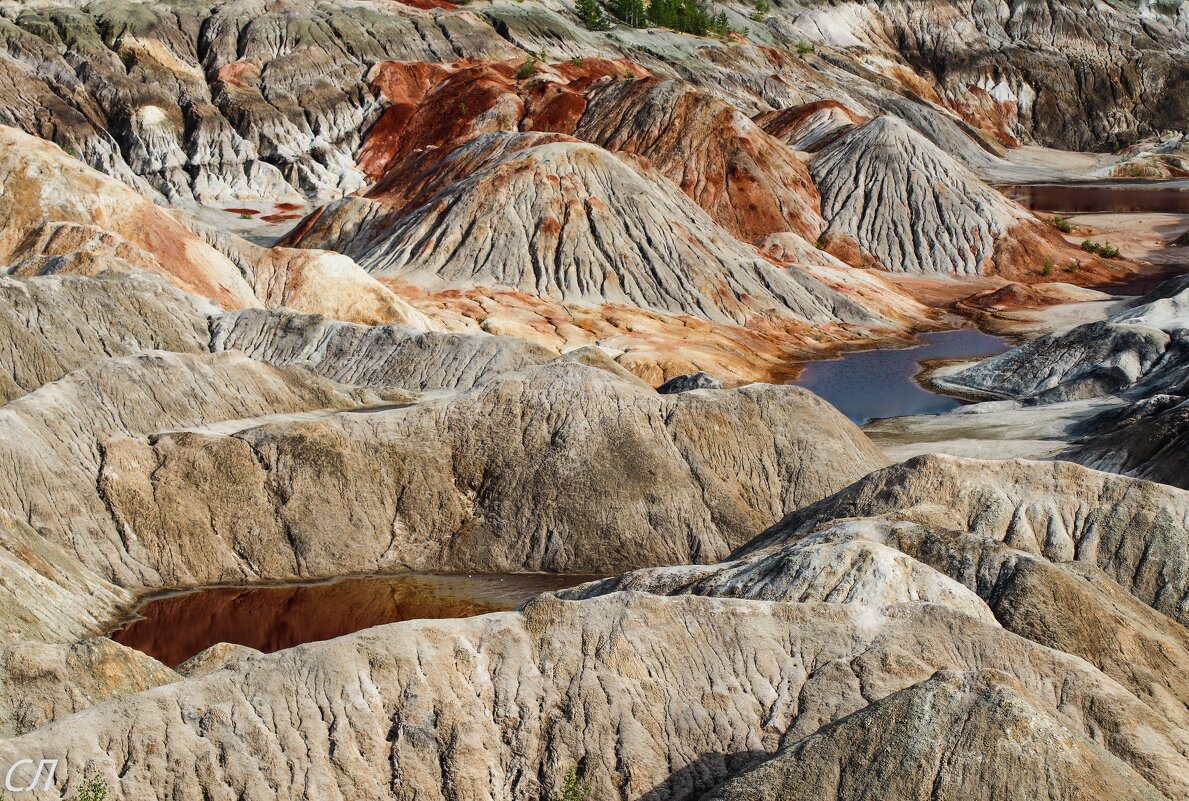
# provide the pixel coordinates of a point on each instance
(592, 16)
(571, 789)
(1061, 224)
(527, 69)
(93, 788)
(1046, 267)
(761, 10)
(804, 48)
(1106, 249)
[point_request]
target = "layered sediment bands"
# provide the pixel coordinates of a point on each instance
(911, 208)
(1135, 531)
(972, 735)
(811, 126)
(311, 281)
(1143, 350)
(56, 438)
(654, 346)
(435, 108)
(640, 690)
(573, 223)
(58, 215)
(373, 356)
(1077, 76)
(53, 324)
(562, 468)
(221, 99)
(746, 180)
(42, 683)
(226, 99)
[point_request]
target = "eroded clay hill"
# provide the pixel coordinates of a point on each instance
(730, 167)
(569, 222)
(903, 204)
(806, 665)
(512, 228)
(59, 216)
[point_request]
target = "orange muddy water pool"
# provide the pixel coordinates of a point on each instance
(173, 627)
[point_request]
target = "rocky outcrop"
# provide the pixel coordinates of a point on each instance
(1067, 605)
(911, 208)
(1148, 439)
(1138, 358)
(61, 217)
(1142, 350)
(57, 437)
(687, 383)
(435, 108)
(222, 100)
(945, 623)
(455, 371)
(852, 568)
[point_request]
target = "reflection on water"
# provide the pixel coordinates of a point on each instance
(1113, 198)
(172, 628)
(873, 384)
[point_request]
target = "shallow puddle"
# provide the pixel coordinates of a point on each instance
(174, 627)
(872, 384)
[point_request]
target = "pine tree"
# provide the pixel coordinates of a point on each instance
(592, 15)
(665, 13)
(632, 12)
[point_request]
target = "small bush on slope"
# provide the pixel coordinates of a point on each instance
(571, 789)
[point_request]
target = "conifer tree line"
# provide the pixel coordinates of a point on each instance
(687, 16)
